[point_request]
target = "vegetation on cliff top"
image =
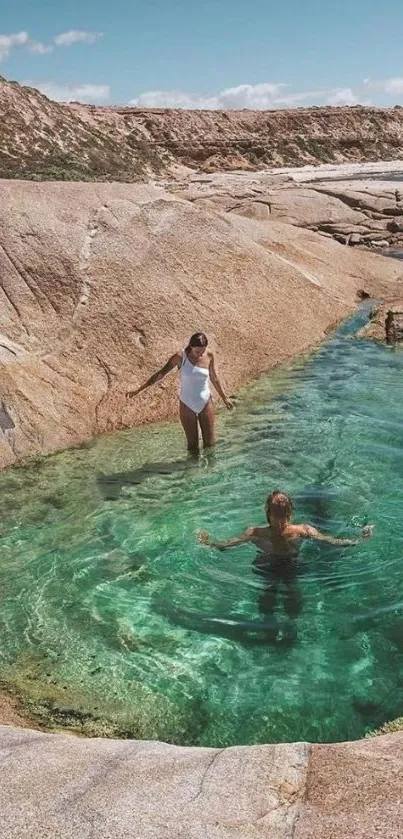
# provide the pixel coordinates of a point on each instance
(45, 140)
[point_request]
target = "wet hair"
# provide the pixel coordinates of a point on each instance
(198, 339)
(280, 504)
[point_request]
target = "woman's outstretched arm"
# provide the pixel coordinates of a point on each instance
(172, 362)
(205, 539)
(312, 533)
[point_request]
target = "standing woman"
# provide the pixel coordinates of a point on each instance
(196, 369)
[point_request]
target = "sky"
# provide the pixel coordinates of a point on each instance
(206, 54)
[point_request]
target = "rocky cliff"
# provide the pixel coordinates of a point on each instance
(47, 140)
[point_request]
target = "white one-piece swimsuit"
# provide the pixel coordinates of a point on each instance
(194, 386)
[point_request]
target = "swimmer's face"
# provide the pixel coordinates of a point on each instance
(198, 352)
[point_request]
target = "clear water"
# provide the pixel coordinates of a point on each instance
(109, 606)
(366, 176)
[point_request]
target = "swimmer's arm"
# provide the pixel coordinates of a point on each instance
(205, 539)
(309, 532)
(172, 362)
(217, 384)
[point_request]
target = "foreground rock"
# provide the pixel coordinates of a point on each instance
(354, 789)
(62, 786)
(100, 283)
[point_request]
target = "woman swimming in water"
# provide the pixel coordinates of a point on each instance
(278, 547)
(196, 369)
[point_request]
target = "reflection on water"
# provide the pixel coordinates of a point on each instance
(110, 607)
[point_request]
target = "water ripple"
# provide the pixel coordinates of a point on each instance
(108, 599)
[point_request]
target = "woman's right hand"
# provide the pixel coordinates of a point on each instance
(203, 537)
(367, 531)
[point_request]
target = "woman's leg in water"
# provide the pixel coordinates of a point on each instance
(267, 600)
(188, 419)
(206, 420)
(293, 599)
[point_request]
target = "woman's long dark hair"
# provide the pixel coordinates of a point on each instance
(198, 339)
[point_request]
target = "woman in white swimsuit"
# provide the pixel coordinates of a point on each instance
(196, 369)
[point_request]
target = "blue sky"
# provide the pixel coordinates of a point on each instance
(211, 53)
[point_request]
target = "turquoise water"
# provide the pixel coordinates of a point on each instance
(111, 609)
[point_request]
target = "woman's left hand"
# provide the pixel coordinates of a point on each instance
(228, 404)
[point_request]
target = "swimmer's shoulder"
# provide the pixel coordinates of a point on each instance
(258, 532)
(178, 358)
(299, 531)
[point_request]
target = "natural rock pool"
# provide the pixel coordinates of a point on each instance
(114, 618)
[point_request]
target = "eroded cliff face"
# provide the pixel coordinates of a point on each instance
(100, 283)
(227, 140)
(43, 139)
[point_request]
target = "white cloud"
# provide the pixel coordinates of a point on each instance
(76, 36)
(393, 86)
(64, 39)
(7, 42)
(264, 96)
(173, 99)
(73, 93)
(254, 96)
(257, 97)
(342, 96)
(39, 48)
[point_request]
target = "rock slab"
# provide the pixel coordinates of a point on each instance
(354, 790)
(59, 786)
(101, 283)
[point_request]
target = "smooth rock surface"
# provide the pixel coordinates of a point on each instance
(62, 787)
(353, 211)
(101, 283)
(56, 786)
(354, 790)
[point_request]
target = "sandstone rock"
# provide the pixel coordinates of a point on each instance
(63, 786)
(307, 206)
(59, 785)
(354, 790)
(100, 283)
(380, 243)
(335, 207)
(40, 138)
(386, 324)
